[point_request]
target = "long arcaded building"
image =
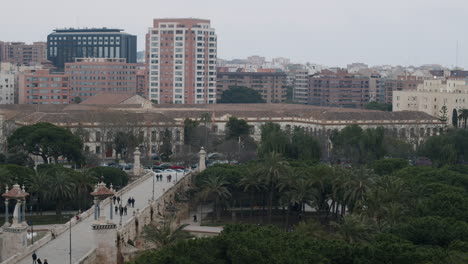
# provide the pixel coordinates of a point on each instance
(105, 114)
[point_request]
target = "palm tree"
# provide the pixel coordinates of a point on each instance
(206, 118)
(272, 168)
(84, 181)
(359, 183)
(38, 185)
(166, 234)
(215, 187)
(463, 116)
(251, 182)
(61, 188)
(353, 228)
(5, 179)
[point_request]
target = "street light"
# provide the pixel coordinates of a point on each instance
(71, 240)
(154, 175)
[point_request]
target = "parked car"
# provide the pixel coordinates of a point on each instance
(169, 170)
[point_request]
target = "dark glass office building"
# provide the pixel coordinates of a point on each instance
(64, 45)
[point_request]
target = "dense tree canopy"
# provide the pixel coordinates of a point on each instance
(353, 144)
(237, 128)
(294, 143)
(448, 148)
(240, 95)
(47, 141)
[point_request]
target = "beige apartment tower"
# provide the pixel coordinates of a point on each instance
(181, 61)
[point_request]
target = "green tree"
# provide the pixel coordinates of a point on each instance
(443, 115)
(165, 234)
(165, 150)
(215, 188)
(463, 116)
(110, 175)
(61, 189)
(84, 181)
(273, 139)
(240, 95)
(48, 141)
(77, 100)
(303, 146)
(378, 106)
(353, 228)
(126, 142)
(189, 128)
(271, 169)
(37, 185)
(237, 128)
(454, 118)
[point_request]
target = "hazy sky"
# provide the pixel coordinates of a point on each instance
(330, 32)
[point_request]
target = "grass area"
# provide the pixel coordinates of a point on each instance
(44, 219)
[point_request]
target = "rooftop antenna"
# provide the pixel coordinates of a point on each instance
(456, 56)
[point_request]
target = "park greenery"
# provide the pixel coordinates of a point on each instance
(349, 196)
(369, 205)
(378, 106)
(240, 95)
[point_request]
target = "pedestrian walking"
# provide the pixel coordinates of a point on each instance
(125, 210)
(39, 261)
(133, 202)
(116, 209)
(129, 201)
(45, 261)
(121, 211)
(114, 198)
(118, 199)
(194, 218)
(34, 257)
(158, 177)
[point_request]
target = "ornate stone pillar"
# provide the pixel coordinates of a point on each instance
(14, 239)
(202, 160)
(136, 162)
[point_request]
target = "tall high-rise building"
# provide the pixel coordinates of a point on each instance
(181, 60)
(65, 45)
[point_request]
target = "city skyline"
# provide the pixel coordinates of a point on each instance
(334, 33)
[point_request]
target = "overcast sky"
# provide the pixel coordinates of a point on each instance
(330, 32)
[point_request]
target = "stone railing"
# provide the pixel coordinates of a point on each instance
(63, 228)
(134, 226)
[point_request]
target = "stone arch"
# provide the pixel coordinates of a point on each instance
(402, 133)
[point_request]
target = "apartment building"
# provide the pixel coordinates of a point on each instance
(432, 95)
(400, 83)
(7, 88)
(43, 87)
(65, 45)
(338, 89)
(181, 58)
(271, 85)
(299, 81)
(22, 53)
(91, 76)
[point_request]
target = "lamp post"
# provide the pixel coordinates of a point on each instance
(71, 240)
(154, 175)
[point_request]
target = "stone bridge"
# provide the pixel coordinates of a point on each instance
(86, 245)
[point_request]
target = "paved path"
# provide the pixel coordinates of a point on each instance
(194, 227)
(57, 250)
